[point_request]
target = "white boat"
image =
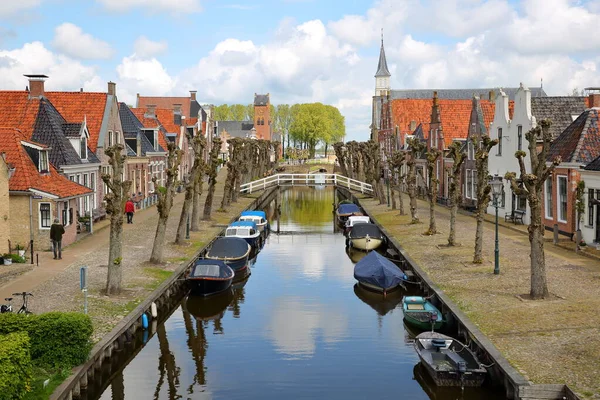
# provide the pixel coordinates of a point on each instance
(359, 219)
(258, 217)
(365, 237)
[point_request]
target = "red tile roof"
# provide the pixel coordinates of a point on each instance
(151, 123)
(165, 103)
(167, 119)
(18, 111)
(27, 176)
(75, 106)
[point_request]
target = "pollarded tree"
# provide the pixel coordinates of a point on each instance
(397, 160)
(115, 207)
(341, 154)
(458, 156)
(532, 186)
(191, 187)
(432, 156)
(165, 201)
(212, 177)
(482, 145)
(415, 149)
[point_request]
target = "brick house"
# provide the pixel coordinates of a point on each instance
(100, 111)
(510, 130)
(578, 145)
(590, 223)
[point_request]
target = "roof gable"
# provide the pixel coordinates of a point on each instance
(580, 141)
(189, 108)
(558, 109)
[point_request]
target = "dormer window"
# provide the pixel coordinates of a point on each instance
(155, 140)
(110, 139)
(43, 161)
(83, 148)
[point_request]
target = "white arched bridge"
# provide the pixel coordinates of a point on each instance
(315, 179)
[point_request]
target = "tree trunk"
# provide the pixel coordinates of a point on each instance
(159, 240)
(185, 214)
(539, 285)
(412, 193)
(381, 190)
(393, 196)
(401, 202)
(195, 219)
(212, 183)
(227, 188)
(115, 275)
(478, 257)
(432, 228)
(452, 235)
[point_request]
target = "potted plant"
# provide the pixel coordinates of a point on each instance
(7, 258)
(20, 249)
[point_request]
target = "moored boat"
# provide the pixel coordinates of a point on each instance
(208, 277)
(233, 251)
(365, 237)
(448, 361)
(346, 210)
(377, 273)
(258, 217)
(209, 308)
(246, 230)
(420, 313)
(353, 220)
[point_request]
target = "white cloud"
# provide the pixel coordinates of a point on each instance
(153, 6)
(33, 58)
(144, 47)
(146, 76)
(72, 41)
(11, 7)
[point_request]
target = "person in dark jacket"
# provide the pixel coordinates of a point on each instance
(56, 233)
(129, 210)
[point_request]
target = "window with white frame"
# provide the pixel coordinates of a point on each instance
(44, 161)
(118, 137)
(499, 142)
(591, 207)
(45, 215)
(474, 181)
(93, 187)
(110, 138)
(471, 150)
(562, 198)
(519, 137)
(548, 198)
(469, 184)
(65, 213)
(83, 148)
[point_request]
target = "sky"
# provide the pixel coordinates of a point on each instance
(298, 50)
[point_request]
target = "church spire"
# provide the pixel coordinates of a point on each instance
(382, 68)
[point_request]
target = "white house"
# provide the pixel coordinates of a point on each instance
(590, 224)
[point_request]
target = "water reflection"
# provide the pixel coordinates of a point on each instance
(296, 323)
(382, 305)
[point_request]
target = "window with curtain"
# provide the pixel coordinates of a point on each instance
(548, 197)
(44, 161)
(562, 198)
(45, 219)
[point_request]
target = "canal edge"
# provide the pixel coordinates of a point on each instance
(513, 380)
(117, 338)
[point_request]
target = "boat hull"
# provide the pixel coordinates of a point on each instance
(414, 321)
(451, 378)
(366, 244)
(207, 286)
(377, 289)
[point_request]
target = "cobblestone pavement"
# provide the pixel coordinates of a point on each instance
(548, 341)
(55, 284)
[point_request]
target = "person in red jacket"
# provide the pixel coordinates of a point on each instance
(129, 210)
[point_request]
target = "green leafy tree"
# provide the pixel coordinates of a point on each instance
(239, 112)
(222, 113)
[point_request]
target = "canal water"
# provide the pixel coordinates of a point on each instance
(297, 328)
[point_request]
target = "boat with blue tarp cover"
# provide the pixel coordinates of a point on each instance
(258, 217)
(246, 230)
(346, 210)
(209, 277)
(377, 273)
(421, 313)
(233, 251)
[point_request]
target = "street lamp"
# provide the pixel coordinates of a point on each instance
(496, 185)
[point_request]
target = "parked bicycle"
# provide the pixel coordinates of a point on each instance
(23, 310)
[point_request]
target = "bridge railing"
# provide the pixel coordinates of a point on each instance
(306, 180)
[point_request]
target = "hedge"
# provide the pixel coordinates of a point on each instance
(15, 365)
(58, 339)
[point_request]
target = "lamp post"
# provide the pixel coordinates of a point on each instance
(496, 185)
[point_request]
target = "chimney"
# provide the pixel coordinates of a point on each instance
(491, 95)
(413, 126)
(193, 95)
(150, 111)
(138, 144)
(80, 90)
(36, 86)
(594, 99)
(112, 88)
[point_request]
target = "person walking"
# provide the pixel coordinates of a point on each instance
(129, 210)
(56, 233)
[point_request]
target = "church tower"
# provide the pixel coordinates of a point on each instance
(262, 116)
(382, 77)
